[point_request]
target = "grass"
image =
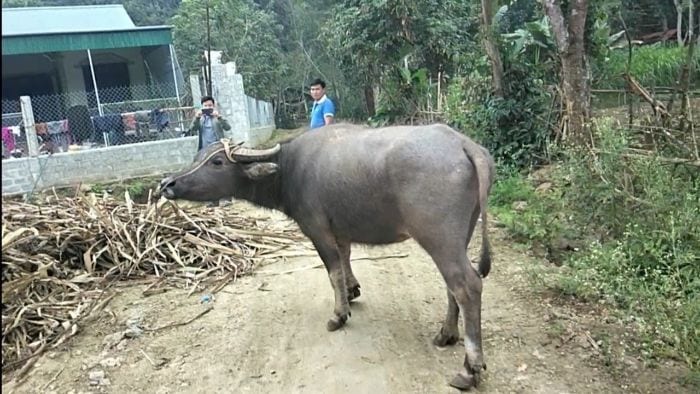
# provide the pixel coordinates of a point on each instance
(655, 65)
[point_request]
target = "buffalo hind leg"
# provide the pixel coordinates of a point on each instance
(351, 282)
(449, 332)
(328, 250)
(465, 285)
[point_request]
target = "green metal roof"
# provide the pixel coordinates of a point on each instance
(61, 29)
(139, 37)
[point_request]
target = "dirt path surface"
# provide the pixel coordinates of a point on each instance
(266, 334)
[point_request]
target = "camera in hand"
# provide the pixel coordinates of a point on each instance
(207, 111)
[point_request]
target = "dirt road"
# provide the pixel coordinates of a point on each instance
(266, 334)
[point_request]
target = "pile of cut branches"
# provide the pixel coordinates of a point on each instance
(58, 260)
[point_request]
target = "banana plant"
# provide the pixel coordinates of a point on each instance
(535, 37)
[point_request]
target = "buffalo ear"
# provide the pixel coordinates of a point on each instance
(257, 171)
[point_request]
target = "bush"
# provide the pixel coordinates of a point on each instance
(516, 128)
(639, 218)
(647, 215)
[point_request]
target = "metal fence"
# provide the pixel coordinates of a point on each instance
(73, 120)
(125, 115)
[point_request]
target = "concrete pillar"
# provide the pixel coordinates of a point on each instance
(231, 100)
(29, 128)
(196, 90)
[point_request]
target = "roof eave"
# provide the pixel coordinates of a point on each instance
(140, 28)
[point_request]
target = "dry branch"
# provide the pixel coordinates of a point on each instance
(639, 90)
(57, 260)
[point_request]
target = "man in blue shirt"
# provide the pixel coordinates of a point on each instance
(323, 110)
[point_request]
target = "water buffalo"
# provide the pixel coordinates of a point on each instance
(348, 184)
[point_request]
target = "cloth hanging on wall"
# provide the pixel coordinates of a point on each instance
(8, 138)
(130, 124)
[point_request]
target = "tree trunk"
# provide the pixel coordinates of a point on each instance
(369, 100)
(679, 21)
(491, 48)
(569, 35)
(687, 70)
(664, 23)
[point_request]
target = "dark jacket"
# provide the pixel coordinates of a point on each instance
(220, 124)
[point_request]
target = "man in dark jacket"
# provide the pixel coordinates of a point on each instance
(208, 124)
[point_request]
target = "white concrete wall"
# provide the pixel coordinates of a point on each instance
(29, 174)
(118, 162)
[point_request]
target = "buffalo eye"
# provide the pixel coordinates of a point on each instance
(217, 161)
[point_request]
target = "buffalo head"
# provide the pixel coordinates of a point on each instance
(218, 170)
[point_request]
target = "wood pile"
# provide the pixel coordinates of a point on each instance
(59, 260)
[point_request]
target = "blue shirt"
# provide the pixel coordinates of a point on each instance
(322, 108)
(208, 134)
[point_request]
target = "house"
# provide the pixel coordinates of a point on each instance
(108, 99)
(91, 57)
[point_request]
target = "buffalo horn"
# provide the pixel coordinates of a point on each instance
(250, 155)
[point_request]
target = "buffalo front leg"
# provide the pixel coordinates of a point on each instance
(351, 282)
(449, 332)
(328, 250)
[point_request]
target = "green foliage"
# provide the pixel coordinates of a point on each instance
(532, 39)
(510, 187)
(137, 188)
(599, 29)
(638, 219)
(152, 12)
(403, 95)
(245, 34)
(527, 223)
(97, 188)
(372, 37)
(514, 15)
(647, 16)
(516, 128)
(378, 42)
(530, 216)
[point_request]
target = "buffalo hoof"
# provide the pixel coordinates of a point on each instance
(353, 293)
(443, 339)
(336, 322)
(464, 381)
